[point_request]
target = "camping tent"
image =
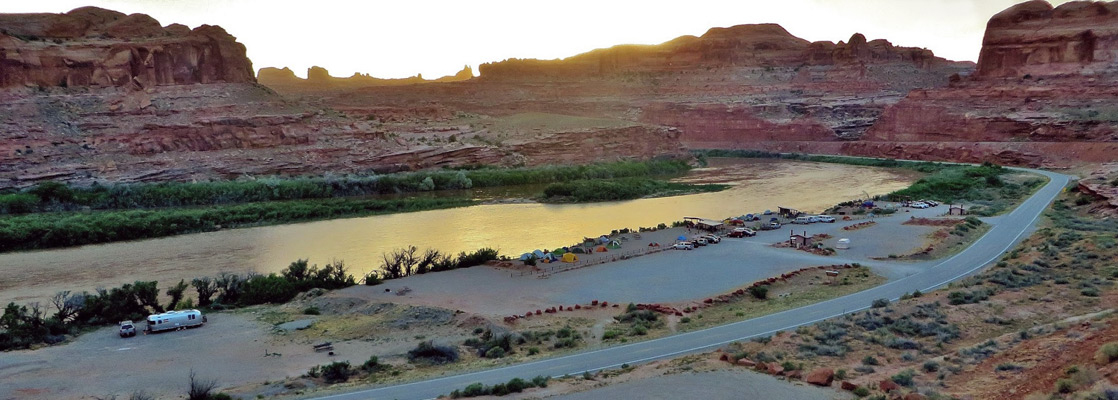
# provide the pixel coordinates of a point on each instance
(843, 243)
(539, 254)
(525, 256)
(681, 237)
(600, 249)
(570, 257)
(603, 240)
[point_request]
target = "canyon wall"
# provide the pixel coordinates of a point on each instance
(1046, 75)
(90, 46)
(1033, 38)
(760, 45)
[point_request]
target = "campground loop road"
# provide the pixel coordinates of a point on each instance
(1006, 232)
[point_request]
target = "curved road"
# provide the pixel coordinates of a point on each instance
(1007, 231)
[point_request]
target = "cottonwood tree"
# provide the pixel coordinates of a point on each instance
(68, 304)
(176, 293)
(206, 288)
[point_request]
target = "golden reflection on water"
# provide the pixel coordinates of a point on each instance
(511, 228)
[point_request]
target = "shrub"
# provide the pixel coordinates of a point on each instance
(337, 371)
(1090, 292)
(880, 303)
(312, 310)
(1108, 353)
(904, 378)
(760, 292)
(869, 360)
(1065, 386)
(861, 391)
(202, 389)
(931, 366)
(431, 353)
(373, 365)
(685, 320)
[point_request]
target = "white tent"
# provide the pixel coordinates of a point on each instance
(843, 243)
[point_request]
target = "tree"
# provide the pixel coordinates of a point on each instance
(176, 293)
(428, 184)
(147, 293)
(206, 289)
(67, 304)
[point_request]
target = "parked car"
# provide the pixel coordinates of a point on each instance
(932, 203)
(127, 329)
(827, 218)
(742, 232)
(683, 246)
(802, 220)
(768, 212)
(699, 241)
(712, 239)
(919, 205)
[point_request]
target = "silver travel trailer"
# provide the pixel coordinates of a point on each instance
(172, 320)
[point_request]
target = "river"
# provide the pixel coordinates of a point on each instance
(511, 228)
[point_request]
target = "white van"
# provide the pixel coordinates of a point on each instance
(802, 220)
(172, 320)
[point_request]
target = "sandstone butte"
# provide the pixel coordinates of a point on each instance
(90, 46)
(1042, 94)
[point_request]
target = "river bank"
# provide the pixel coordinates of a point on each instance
(360, 242)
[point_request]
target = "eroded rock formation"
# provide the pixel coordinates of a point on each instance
(91, 46)
(1035, 39)
(761, 45)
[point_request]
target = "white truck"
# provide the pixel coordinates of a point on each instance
(173, 320)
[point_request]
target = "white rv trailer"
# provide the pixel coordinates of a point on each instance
(175, 320)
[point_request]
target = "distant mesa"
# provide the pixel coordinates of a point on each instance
(92, 46)
(760, 45)
(320, 78)
(1033, 38)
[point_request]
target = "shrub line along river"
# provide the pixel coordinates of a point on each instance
(512, 228)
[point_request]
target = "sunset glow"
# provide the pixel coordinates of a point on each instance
(435, 38)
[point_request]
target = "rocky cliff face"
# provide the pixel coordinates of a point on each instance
(763, 45)
(1033, 38)
(1045, 75)
(90, 46)
(319, 79)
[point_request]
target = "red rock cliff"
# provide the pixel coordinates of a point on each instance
(90, 46)
(762, 45)
(1033, 38)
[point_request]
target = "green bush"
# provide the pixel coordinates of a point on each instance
(869, 360)
(433, 354)
(880, 303)
(760, 292)
(1108, 353)
(904, 378)
(338, 371)
(861, 391)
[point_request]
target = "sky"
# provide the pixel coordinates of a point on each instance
(400, 38)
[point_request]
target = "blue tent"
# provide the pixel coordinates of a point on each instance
(681, 238)
(603, 240)
(525, 256)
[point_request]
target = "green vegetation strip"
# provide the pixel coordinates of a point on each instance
(922, 166)
(984, 185)
(45, 230)
(620, 189)
(53, 196)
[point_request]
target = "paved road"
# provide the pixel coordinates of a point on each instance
(1005, 233)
